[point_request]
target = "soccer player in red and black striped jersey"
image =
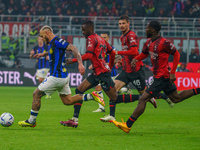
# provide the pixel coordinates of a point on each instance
(96, 48)
(129, 74)
(159, 49)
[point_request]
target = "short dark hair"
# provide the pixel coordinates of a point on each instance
(105, 33)
(124, 17)
(155, 25)
(88, 23)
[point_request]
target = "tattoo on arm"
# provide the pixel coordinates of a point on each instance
(75, 52)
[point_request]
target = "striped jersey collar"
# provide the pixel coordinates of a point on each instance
(53, 39)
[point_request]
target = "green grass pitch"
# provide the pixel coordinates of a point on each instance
(165, 128)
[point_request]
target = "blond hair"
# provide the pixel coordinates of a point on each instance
(46, 28)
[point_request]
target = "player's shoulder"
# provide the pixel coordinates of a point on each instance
(94, 35)
(60, 41)
(165, 40)
(91, 37)
(131, 33)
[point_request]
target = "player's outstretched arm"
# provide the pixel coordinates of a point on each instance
(77, 55)
(40, 55)
(75, 51)
(138, 58)
(176, 59)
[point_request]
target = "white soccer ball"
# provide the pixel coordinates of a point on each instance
(6, 119)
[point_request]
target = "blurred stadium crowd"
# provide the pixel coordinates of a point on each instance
(138, 8)
(106, 8)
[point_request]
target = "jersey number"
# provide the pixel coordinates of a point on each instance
(103, 49)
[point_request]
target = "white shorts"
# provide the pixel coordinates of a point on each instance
(51, 84)
(42, 73)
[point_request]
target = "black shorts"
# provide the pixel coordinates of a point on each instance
(161, 84)
(136, 78)
(104, 79)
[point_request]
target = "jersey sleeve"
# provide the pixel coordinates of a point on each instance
(90, 45)
(145, 48)
(169, 47)
(61, 44)
(132, 39)
(109, 47)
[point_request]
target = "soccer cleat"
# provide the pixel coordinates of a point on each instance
(98, 98)
(171, 104)
(48, 97)
(70, 123)
(107, 118)
(26, 124)
(153, 102)
(122, 125)
(99, 110)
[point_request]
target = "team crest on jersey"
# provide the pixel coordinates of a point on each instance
(89, 44)
(51, 51)
(132, 40)
(44, 51)
(64, 69)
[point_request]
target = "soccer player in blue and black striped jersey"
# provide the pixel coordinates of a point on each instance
(43, 62)
(58, 79)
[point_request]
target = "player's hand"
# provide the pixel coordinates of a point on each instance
(90, 67)
(68, 61)
(38, 55)
(133, 62)
(47, 57)
(32, 53)
(81, 69)
(172, 78)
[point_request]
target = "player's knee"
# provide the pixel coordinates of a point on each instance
(36, 94)
(78, 91)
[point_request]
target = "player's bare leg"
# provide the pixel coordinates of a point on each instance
(152, 100)
(36, 104)
(178, 97)
(126, 126)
